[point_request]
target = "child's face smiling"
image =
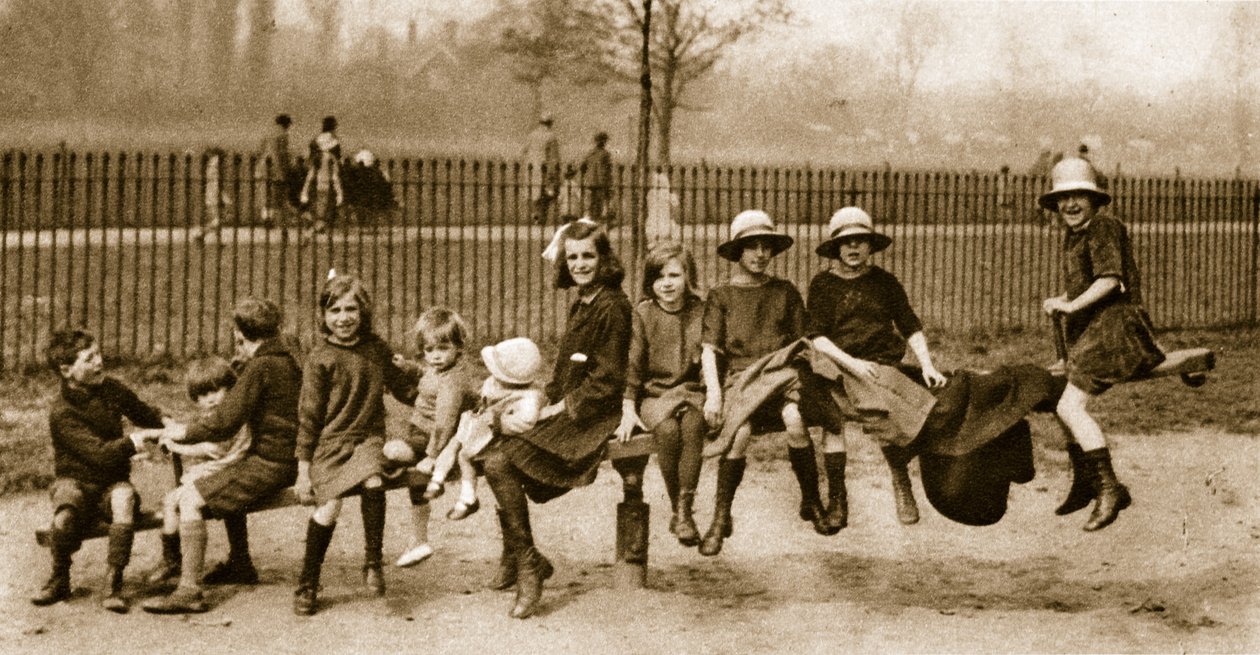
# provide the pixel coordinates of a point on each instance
(343, 318)
(211, 399)
(582, 259)
(854, 253)
(1076, 209)
(88, 369)
(440, 356)
(671, 285)
(756, 256)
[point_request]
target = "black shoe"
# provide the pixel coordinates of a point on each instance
(55, 590)
(305, 601)
(229, 573)
(374, 579)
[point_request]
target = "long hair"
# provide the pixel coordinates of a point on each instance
(609, 271)
(658, 256)
(338, 286)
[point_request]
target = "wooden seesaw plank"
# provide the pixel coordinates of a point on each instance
(1191, 363)
(640, 444)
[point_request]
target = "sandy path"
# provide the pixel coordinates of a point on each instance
(1180, 572)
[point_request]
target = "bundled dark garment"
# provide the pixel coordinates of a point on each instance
(976, 441)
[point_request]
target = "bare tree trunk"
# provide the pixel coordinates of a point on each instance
(262, 19)
(221, 27)
(645, 135)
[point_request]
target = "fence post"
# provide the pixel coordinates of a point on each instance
(1255, 252)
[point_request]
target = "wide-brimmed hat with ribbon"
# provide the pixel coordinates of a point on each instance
(851, 222)
(753, 224)
(515, 361)
(1072, 175)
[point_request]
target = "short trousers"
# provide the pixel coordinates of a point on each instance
(90, 502)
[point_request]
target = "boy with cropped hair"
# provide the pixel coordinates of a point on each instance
(92, 462)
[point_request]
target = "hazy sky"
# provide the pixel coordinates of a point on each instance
(1150, 46)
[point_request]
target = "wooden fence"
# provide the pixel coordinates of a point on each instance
(106, 240)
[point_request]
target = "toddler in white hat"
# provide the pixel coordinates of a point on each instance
(510, 404)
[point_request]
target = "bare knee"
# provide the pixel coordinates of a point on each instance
(397, 450)
(64, 518)
(373, 482)
(1071, 404)
(190, 503)
(739, 445)
(797, 435)
(122, 504)
(327, 513)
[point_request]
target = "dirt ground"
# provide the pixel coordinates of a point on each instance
(1179, 572)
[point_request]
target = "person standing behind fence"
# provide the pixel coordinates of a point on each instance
(542, 158)
(597, 179)
(321, 191)
(271, 173)
(1107, 332)
(214, 196)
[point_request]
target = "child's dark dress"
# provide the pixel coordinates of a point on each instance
(341, 415)
(1111, 341)
(745, 323)
(664, 364)
(563, 452)
(868, 317)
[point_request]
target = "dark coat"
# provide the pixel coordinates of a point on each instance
(87, 431)
(264, 399)
(564, 451)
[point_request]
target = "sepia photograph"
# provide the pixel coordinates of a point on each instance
(629, 326)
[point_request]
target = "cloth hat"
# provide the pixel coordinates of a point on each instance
(365, 157)
(515, 361)
(851, 222)
(1072, 174)
(750, 224)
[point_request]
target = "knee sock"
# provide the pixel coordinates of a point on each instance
(372, 508)
(192, 543)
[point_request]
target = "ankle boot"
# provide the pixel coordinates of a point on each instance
(121, 536)
(529, 582)
(305, 599)
(837, 516)
(806, 469)
(685, 526)
(531, 567)
(168, 569)
(903, 491)
(505, 577)
(58, 586)
(1112, 496)
(730, 474)
(1084, 483)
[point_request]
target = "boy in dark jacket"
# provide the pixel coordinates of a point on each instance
(92, 461)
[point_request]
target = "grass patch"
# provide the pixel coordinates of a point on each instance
(1225, 404)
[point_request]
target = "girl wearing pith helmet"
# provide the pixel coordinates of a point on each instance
(749, 317)
(860, 316)
(1107, 331)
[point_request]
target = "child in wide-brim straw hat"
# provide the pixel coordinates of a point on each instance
(753, 315)
(860, 316)
(1107, 331)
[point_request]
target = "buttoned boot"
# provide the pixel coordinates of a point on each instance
(372, 508)
(505, 577)
(806, 469)
(903, 490)
(837, 516)
(1112, 496)
(730, 474)
(305, 599)
(1084, 483)
(58, 586)
(685, 524)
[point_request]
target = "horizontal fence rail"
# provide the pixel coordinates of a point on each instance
(108, 240)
